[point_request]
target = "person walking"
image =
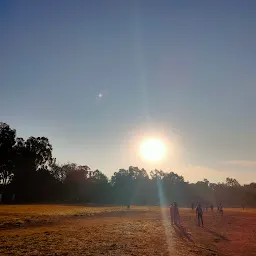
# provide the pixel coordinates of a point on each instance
(199, 213)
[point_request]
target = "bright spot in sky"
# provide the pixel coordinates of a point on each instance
(152, 149)
(100, 95)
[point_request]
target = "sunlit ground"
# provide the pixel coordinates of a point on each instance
(81, 230)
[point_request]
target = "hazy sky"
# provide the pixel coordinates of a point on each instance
(183, 71)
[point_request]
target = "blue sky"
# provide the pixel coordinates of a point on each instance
(177, 70)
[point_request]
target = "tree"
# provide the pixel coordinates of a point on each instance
(29, 157)
(59, 172)
(99, 177)
(230, 182)
(75, 181)
(140, 186)
(7, 141)
(122, 182)
(98, 188)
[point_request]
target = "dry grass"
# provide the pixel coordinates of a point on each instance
(13, 214)
(80, 230)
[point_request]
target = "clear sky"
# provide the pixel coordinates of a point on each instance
(96, 77)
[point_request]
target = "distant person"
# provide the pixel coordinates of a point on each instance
(172, 214)
(199, 213)
(221, 209)
(218, 209)
(212, 207)
(192, 206)
(176, 214)
(243, 206)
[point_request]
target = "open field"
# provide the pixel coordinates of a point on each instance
(82, 230)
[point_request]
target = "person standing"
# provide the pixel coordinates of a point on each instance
(199, 213)
(221, 209)
(176, 214)
(172, 214)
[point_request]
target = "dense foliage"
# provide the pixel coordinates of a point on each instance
(29, 171)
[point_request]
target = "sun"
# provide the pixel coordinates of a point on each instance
(152, 149)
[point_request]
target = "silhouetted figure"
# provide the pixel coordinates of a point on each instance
(218, 209)
(176, 214)
(128, 206)
(212, 207)
(221, 209)
(243, 206)
(192, 206)
(199, 213)
(13, 198)
(172, 214)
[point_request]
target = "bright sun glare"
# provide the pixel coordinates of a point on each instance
(152, 149)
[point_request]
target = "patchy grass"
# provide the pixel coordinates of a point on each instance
(81, 230)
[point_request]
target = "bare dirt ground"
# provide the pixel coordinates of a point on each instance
(82, 230)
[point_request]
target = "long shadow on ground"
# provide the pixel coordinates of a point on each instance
(219, 236)
(198, 249)
(181, 231)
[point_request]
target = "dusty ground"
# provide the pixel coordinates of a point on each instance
(80, 230)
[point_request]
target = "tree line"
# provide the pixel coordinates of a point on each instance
(29, 171)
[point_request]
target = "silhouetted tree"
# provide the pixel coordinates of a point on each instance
(7, 142)
(30, 156)
(232, 182)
